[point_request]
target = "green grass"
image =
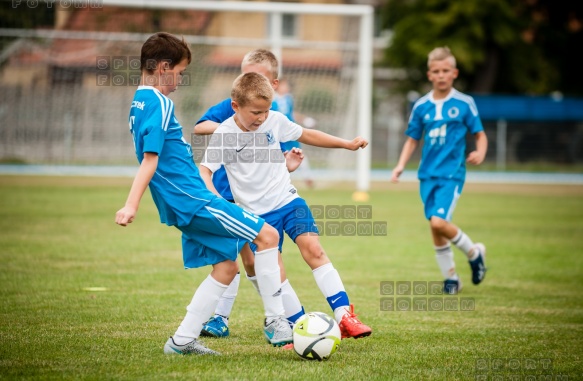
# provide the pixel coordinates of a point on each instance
(58, 237)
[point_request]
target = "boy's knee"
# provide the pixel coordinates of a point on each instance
(437, 223)
(268, 238)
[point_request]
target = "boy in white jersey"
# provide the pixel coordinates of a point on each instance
(213, 230)
(443, 117)
(261, 183)
(264, 62)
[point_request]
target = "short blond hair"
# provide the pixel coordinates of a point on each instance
(249, 87)
(441, 53)
(262, 57)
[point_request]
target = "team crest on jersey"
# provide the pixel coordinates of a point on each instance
(453, 112)
(270, 137)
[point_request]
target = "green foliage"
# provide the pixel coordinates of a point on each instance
(501, 46)
(59, 237)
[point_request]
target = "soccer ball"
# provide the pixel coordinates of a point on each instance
(316, 336)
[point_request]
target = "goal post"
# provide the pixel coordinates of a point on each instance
(67, 75)
(276, 41)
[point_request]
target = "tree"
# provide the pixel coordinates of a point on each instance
(502, 46)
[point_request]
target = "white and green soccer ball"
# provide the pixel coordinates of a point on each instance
(316, 336)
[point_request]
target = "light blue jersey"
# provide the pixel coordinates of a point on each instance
(155, 129)
(444, 125)
(213, 230)
(285, 105)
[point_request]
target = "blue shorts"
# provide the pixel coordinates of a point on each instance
(439, 197)
(217, 233)
(294, 219)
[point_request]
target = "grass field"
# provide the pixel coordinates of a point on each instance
(58, 238)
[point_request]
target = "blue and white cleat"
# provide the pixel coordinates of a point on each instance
(277, 331)
(478, 265)
(215, 327)
(452, 286)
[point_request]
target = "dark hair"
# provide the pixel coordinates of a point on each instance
(163, 47)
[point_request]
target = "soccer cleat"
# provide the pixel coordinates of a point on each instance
(350, 326)
(195, 347)
(277, 331)
(215, 327)
(478, 265)
(452, 286)
(288, 347)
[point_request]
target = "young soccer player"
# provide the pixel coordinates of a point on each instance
(264, 62)
(261, 184)
(213, 230)
(443, 117)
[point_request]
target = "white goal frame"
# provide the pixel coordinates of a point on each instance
(276, 10)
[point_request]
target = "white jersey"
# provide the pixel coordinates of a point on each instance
(255, 165)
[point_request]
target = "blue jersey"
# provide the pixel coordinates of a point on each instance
(176, 187)
(219, 113)
(443, 124)
(285, 105)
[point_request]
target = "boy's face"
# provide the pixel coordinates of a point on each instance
(251, 116)
(171, 78)
(442, 74)
(261, 69)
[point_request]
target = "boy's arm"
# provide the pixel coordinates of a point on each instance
(207, 176)
(145, 173)
(477, 157)
(408, 148)
(205, 128)
(321, 139)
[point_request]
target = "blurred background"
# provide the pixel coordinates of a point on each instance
(68, 71)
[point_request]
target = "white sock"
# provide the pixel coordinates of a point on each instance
(199, 310)
(291, 302)
(463, 242)
(253, 280)
(330, 284)
(444, 256)
(268, 279)
(226, 301)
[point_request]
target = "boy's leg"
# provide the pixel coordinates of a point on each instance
(218, 325)
(440, 199)
(276, 327)
(202, 305)
(331, 286)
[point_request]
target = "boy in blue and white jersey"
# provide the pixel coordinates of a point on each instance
(261, 183)
(264, 62)
(443, 117)
(213, 230)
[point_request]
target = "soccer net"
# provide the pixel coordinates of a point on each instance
(69, 72)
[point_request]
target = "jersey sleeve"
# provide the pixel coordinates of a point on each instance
(415, 125)
(290, 131)
(473, 120)
(155, 126)
(219, 112)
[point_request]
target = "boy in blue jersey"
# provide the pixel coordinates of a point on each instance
(443, 117)
(264, 62)
(261, 183)
(213, 230)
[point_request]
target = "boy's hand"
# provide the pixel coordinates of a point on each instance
(475, 158)
(125, 216)
(396, 173)
(357, 143)
(293, 159)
